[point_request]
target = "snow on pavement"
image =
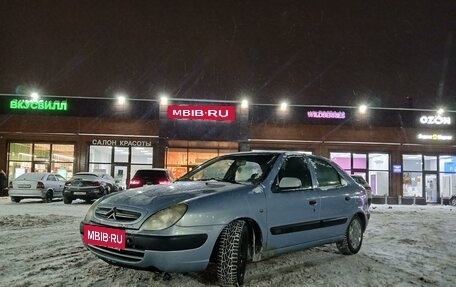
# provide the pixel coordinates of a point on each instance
(40, 245)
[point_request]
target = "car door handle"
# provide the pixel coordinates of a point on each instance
(312, 202)
(347, 198)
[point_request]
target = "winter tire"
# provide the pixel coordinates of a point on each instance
(67, 199)
(353, 239)
(453, 201)
(232, 254)
(15, 199)
(48, 197)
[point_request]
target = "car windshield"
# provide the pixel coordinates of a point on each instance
(250, 169)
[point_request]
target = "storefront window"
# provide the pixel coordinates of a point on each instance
(430, 163)
(21, 151)
(121, 154)
(141, 158)
(120, 162)
(359, 161)
(43, 157)
(181, 160)
(412, 162)
(100, 167)
(447, 165)
(100, 154)
(412, 177)
(42, 152)
(412, 184)
(374, 165)
(62, 153)
(343, 159)
(141, 155)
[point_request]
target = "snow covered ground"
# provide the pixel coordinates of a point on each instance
(40, 245)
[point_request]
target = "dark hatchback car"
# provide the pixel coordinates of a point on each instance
(233, 209)
(150, 177)
(88, 186)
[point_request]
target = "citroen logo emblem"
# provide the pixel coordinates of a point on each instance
(112, 213)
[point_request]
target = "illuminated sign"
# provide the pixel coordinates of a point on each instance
(214, 113)
(435, 137)
(435, 120)
(121, 143)
(41, 105)
(326, 115)
(397, 168)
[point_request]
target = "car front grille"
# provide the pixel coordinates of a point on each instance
(117, 214)
(128, 254)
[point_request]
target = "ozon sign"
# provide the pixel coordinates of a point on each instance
(435, 120)
(214, 113)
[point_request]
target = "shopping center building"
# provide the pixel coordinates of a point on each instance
(407, 155)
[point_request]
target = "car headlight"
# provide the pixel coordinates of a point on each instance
(165, 218)
(91, 212)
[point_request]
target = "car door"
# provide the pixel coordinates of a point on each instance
(51, 183)
(293, 211)
(60, 185)
(337, 198)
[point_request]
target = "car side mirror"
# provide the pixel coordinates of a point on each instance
(290, 182)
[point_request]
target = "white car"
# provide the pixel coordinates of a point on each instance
(44, 185)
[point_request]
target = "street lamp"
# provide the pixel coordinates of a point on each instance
(362, 109)
(34, 96)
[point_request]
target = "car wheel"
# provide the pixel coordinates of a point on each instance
(48, 197)
(67, 199)
(353, 239)
(453, 201)
(15, 199)
(232, 254)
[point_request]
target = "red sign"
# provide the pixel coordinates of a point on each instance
(214, 113)
(104, 236)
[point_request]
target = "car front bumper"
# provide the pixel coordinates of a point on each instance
(188, 251)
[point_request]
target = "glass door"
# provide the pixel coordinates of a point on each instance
(120, 175)
(430, 187)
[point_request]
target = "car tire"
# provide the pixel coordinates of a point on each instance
(353, 239)
(452, 201)
(48, 196)
(15, 199)
(67, 199)
(232, 254)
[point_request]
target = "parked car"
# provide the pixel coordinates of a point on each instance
(44, 185)
(231, 210)
(88, 186)
(453, 200)
(360, 180)
(150, 176)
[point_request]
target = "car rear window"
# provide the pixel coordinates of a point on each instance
(151, 174)
(30, 176)
(86, 176)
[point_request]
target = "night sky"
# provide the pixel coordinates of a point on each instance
(309, 52)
